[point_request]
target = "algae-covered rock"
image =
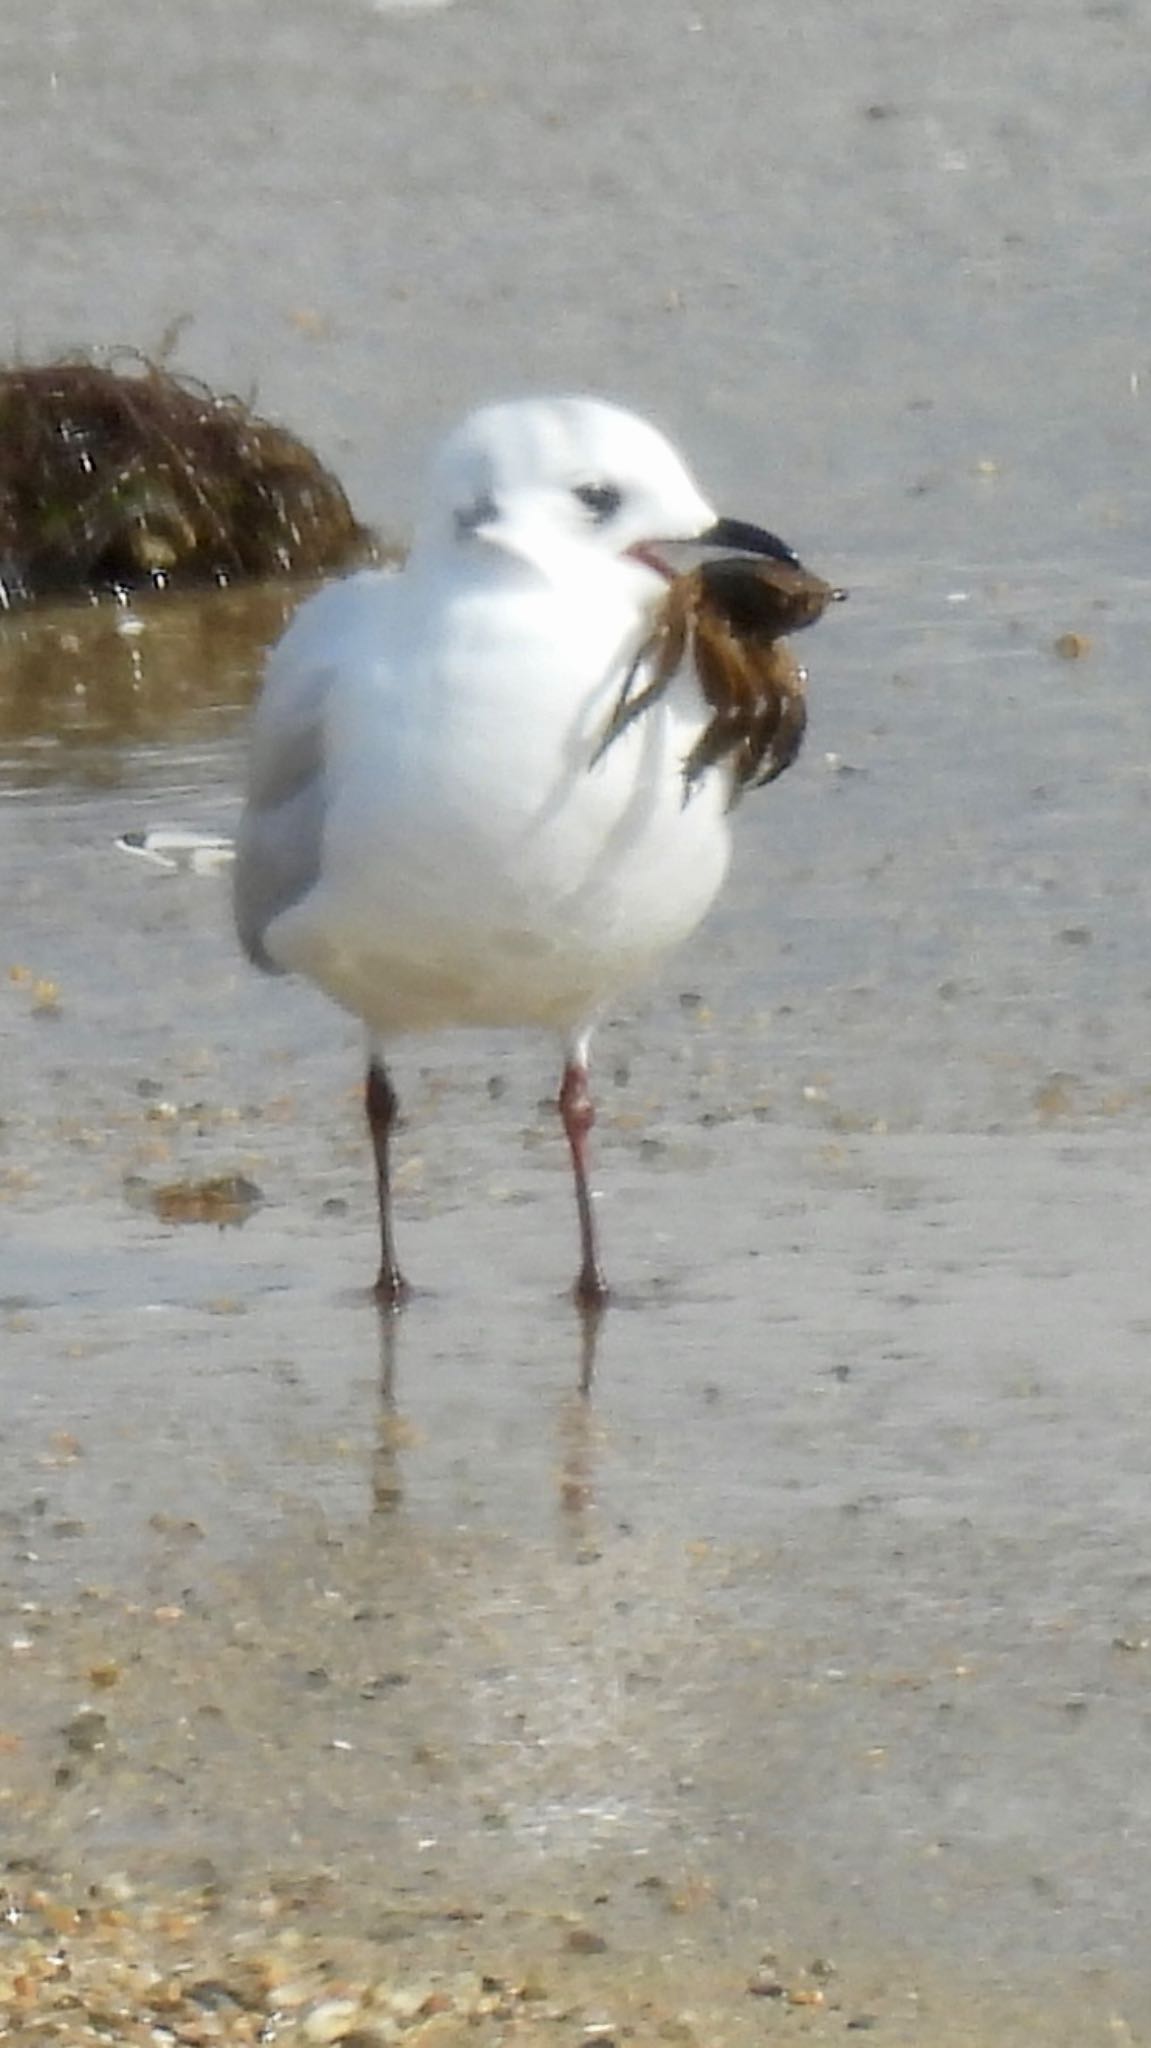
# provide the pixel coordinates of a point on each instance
(122, 475)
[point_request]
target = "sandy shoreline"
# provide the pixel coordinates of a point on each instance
(829, 1609)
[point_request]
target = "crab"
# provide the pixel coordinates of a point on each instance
(730, 615)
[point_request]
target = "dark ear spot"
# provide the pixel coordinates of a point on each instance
(481, 513)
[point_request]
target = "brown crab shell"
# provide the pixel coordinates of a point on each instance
(757, 599)
(729, 616)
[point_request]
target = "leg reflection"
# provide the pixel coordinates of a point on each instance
(391, 1430)
(577, 1426)
(591, 1315)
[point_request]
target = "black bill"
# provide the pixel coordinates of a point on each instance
(745, 539)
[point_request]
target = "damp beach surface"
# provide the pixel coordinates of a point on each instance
(792, 1682)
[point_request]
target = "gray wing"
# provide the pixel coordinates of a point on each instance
(280, 840)
(281, 832)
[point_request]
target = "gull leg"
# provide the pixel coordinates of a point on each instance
(391, 1289)
(578, 1113)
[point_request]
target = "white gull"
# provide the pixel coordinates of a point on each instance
(432, 833)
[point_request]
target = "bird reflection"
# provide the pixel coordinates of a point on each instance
(394, 1433)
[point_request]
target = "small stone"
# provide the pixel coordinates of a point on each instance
(290, 1995)
(440, 2030)
(584, 1941)
(210, 1992)
(86, 1732)
(410, 2000)
(1072, 646)
(330, 2021)
(386, 1682)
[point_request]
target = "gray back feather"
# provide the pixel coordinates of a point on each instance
(278, 847)
(280, 841)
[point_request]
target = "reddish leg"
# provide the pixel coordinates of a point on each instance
(578, 1113)
(391, 1289)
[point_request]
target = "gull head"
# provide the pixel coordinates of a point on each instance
(551, 481)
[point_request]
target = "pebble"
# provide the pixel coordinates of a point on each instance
(331, 2021)
(584, 1941)
(118, 1964)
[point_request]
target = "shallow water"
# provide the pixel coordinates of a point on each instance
(827, 1607)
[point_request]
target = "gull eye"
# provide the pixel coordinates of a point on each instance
(602, 500)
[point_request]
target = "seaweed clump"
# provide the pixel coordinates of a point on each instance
(121, 476)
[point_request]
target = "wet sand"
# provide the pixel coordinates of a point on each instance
(815, 1632)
